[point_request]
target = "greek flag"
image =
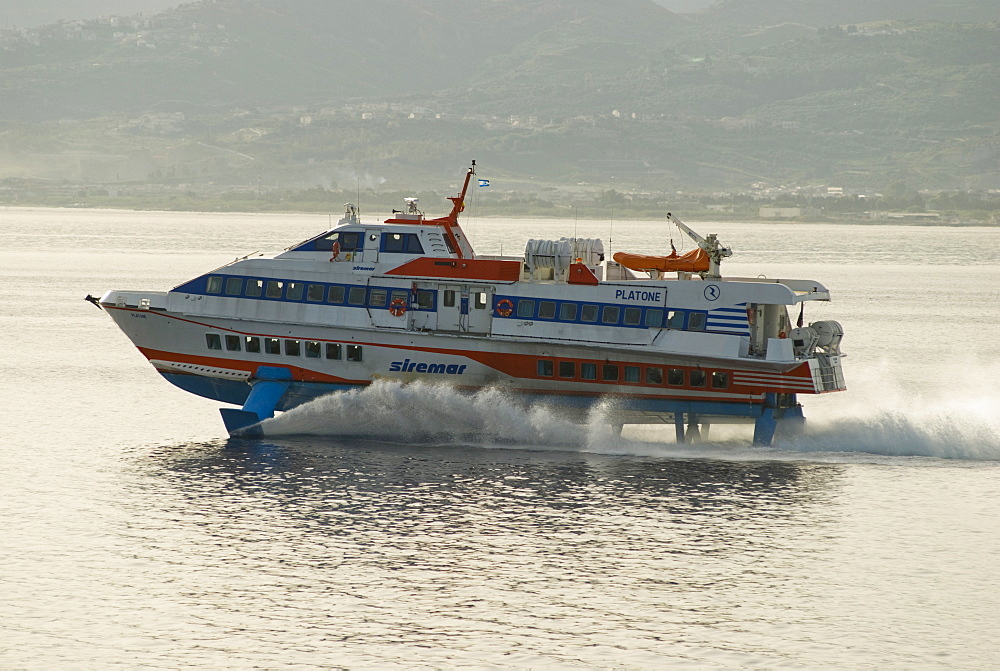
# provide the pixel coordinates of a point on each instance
(484, 182)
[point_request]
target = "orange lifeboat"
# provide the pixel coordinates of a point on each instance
(695, 261)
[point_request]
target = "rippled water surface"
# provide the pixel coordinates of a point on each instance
(417, 527)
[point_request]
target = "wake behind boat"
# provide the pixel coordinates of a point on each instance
(408, 299)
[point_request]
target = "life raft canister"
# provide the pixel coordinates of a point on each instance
(505, 307)
(397, 307)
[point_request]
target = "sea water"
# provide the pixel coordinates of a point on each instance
(416, 527)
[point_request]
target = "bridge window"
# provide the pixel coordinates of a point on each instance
(526, 308)
(449, 298)
(274, 289)
(293, 348)
(255, 288)
(356, 296)
(544, 368)
(313, 349)
(377, 297)
(697, 378)
(588, 371)
(567, 312)
(214, 285)
(546, 310)
(589, 313)
(425, 300)
(234, 286)
(654, 319)
(213, 341)
(335, 351)
(633, 316)
(610, 313)
(720, 379)
(336, 295)
(696, 321)
(272, 346)
(654, 376)
(252, 344)
(354, 353)
(294, 291)
(315, 293)
(349, 241)
(233, 343)
(675, 376)
(408, 243)
(609, 372)
(567, 369)
(675, 319)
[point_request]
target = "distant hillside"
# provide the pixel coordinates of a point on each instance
(299, 93)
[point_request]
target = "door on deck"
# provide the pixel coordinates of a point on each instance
(464, 308)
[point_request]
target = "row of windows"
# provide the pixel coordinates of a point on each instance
(312, 349)
(335, 294)
(612, 372)
(526, 308)
(611, 315)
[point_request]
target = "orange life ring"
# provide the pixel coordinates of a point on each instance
(335, 251)
(505, 307)
(397, 307)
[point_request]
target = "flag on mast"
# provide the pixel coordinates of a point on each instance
(484, 182)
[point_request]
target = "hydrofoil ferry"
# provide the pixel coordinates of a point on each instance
(407, 299)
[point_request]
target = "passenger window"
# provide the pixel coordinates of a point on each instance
(400, 296)
(255, 288)
(315, 293)
(609, 372)
(274, 289)
(675, 319)
(252, 344)
(376, 297)
(720, 379)
(214, 285)
(449, 298)
(313, 349)
(272, 346)
(354, 353)
(335, 351)
(336, 295)
(609, 315)
(213, 341)
(356, 296)
(294, 291)
(425, 300)
(633, 316)
(654, 319)
(675, 376)
(567, 369)
(567, 312)
(234, 286)
(697, 378)
(480, 300)
(546, 310)
(632, 373)
(589, 313)
(526, 308)
(544, 368)
(588, 371)
(234, 343)
(654, 376)
(293, 348)
(696, 322)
